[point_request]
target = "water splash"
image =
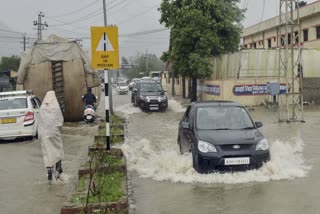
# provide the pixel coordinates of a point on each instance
(166, 164)
(128, 109)
(175, 106)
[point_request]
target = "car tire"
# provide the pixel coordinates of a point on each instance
(195, 162)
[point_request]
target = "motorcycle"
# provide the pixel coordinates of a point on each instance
(89, 114)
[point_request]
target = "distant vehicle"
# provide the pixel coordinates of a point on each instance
(149, 95)
(131, 84)
(221, 135)
(19, 112)
(89, 114)
(155, 75)
(122, 88)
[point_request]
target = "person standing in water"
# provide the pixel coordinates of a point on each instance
(49, 133)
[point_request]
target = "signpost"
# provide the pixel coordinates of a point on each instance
(105, 55)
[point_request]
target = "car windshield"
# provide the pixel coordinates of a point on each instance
(150, 87)
(223, 118)
(122, 84)
(13, 103)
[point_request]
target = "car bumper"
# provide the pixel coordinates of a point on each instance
(122, 92)
(8, 133)
(210, 162)
(154, 106)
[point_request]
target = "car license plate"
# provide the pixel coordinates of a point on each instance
(236, 161)
(89, 117)
(154, 108)
(8, 120)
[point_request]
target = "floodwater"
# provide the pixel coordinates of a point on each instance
(165, 182)
(23, 178)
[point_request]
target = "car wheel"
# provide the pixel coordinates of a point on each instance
(195, 162)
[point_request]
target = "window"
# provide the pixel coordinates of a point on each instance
(305, 35)
(269, 43)
(13, 103)
(282, 40)
(34, 104)
(318, 32)
(289, 38)
(255, 45)
(296, 37)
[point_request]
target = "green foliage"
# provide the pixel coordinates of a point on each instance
(106, 161)
(124, 61)
(144, 63)
(200, 30)
(9, 63)
(106, 188)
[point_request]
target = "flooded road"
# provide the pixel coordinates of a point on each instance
(165, 182)
(23, 178)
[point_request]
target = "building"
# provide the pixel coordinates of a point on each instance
(265, 35)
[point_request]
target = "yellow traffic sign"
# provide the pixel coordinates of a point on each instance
(104, 47)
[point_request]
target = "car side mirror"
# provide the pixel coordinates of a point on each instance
(185, 125)
(162, 93)
(258, 124)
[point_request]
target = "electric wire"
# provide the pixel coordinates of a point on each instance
(75, 11)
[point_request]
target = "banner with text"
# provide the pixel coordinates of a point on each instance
(210, 89)
(255, 89)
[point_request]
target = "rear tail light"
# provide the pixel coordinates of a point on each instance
(29, 116)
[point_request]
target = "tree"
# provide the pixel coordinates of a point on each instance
(124, 61)
(200, 30)
(9, 63)
(142, 64)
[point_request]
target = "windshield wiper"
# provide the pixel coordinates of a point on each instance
(250, 127)
(222, 129)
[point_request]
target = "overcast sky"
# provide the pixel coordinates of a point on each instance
(73, 18)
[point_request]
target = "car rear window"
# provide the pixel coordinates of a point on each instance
(13, 103)
(150, 87)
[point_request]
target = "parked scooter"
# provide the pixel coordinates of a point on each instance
(89, 114)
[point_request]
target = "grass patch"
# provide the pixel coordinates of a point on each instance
(105, 161)
(114, 131)
(104, 188)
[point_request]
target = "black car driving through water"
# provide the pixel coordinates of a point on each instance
(222, 136)
(149, 95)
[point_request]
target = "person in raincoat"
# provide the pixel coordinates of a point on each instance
(49, 133)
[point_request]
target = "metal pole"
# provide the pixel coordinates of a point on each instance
(107, 88)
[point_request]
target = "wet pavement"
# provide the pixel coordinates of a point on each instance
(23, 177)
(164, 181)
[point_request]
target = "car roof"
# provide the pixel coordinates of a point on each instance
(215, 103)
(147, 81)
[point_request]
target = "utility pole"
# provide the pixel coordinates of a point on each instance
(290, 72)
(147, 63)
(40, 25)
(106, 71)
(107, 86)
(24, 41)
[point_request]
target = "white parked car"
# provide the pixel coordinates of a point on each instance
(122, 87)
(19, 113)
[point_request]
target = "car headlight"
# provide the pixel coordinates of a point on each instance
(163, 98)
(142, 97)
(206, 147)
(262, 145)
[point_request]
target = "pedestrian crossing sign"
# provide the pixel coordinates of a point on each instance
(104, 47)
